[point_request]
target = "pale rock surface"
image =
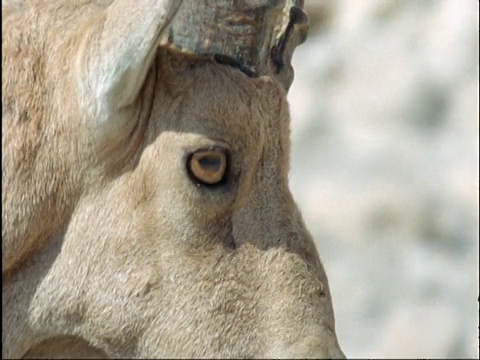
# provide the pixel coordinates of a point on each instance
(385, 132)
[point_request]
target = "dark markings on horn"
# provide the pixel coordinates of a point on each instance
(227, 60)
(297, 16)
(257, 37)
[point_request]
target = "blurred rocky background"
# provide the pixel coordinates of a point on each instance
(385, 151)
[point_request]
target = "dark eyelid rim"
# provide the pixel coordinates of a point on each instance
(200, 183)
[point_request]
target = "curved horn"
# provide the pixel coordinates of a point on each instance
(257, 36)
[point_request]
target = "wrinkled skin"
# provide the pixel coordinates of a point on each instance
(110, 247)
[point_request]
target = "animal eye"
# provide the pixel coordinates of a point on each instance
(208, 166)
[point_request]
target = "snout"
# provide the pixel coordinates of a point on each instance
(295, 288)
(322, 346)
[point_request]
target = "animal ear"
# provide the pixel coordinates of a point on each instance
(116, 52)
(119, 44)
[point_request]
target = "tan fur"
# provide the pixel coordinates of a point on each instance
(109, 248)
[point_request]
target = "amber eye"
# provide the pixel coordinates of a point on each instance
(208, 166)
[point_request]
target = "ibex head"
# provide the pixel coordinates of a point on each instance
(146, 209)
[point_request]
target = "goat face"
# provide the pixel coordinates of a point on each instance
(146, 203)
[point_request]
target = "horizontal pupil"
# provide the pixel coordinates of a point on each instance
(210, 163)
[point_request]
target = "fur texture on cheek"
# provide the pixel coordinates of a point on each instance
(118, 247)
